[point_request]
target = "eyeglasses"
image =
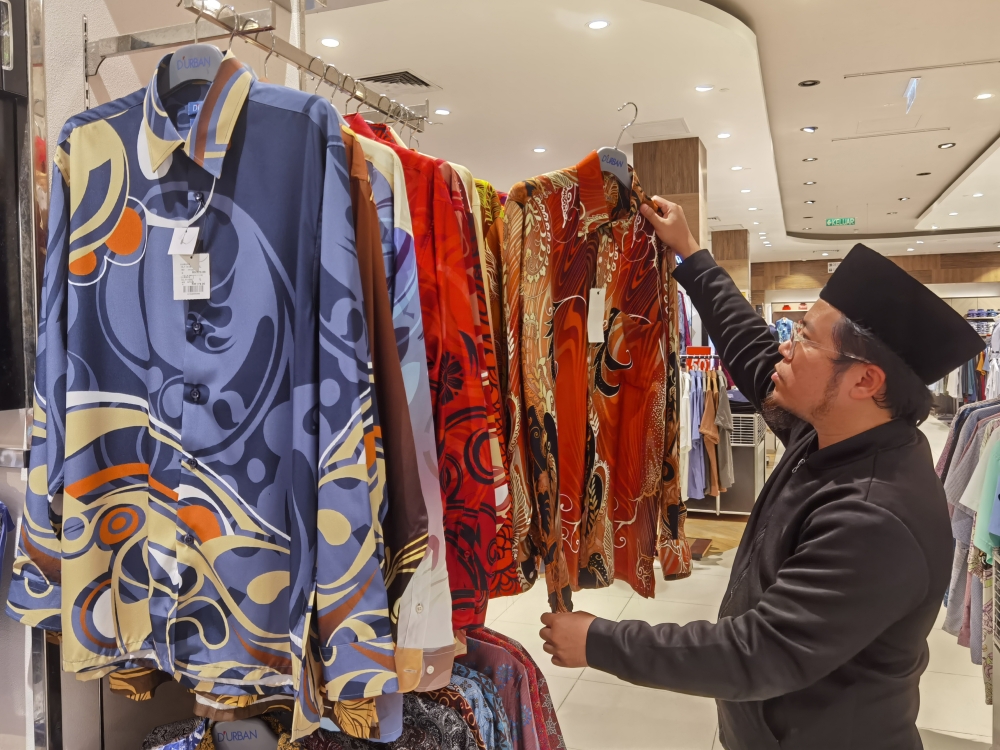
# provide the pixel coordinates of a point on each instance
(797, 331)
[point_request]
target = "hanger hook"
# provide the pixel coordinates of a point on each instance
(631, 122)
(322, 77)
(271, 52)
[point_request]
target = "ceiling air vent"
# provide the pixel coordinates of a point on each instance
(399, 83)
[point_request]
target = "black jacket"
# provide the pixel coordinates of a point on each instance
(822, 635)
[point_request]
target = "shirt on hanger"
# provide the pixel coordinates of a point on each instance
(198, 496)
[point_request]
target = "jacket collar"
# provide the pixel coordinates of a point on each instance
(212, 128)
(884, 437)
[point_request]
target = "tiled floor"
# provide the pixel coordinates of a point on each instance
(600, 712)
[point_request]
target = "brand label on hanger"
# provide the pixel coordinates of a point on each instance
(192, 279)
(184, 241)
(595, 317)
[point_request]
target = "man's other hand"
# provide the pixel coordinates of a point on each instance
(565, 636)
(672, 227)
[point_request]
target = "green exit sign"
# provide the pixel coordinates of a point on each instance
(847, 221)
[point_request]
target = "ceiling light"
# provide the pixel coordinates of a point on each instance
(811, 182)
(904, 199)
(703, 89)
(442, 111)
(213, 5)
(539, 150)
(752, 209)
(736, 169)
(977, 195)
(985, 96)
(920, 242)
(723, 135)
(597, 25)
(808, 83)
(953, 213)
(811, 158)
(329, 42)
(947, 145)
(810, 128)
(825, 254)
(745, 190)
(810, 202)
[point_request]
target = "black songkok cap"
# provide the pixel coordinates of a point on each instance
(902, 313)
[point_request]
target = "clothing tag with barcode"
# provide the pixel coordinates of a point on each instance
(192, 279)
(595, 317)
(184, 241)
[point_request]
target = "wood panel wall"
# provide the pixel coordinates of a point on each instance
(677, 169)
(731, 249)
(951, 268)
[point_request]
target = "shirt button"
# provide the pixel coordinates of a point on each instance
(430, 669)
(420, 608)
(196, 328)
(188, 539)
(196, 395)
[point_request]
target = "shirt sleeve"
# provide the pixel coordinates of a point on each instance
(35, 596)
(839, 590)
(352, 614)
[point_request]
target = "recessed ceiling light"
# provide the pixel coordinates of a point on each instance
(597, 25)
(745, 190)
(810, 128)
(539, 150)
(329, 42)
(985, 96)
(825, 254)
(752, 208)
(904, 199)
(810, 158)
(442, 111)
(811, 182)
(213, 5)
(977, 195)
(922, 174)
(953, 213)
(947, 145)
(723, 135)
(810, 202)
(703, 89)
(809, 82)
(920, 242)
(736, 169)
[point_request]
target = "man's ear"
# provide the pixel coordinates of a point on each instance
(870, 382)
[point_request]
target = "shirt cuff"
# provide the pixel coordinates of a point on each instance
(601, 646)
(688, 269)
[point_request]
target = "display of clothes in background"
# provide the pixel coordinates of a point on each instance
(282, 480)
(706, 433)
(969, 468)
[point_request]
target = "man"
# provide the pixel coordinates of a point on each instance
(821, 637)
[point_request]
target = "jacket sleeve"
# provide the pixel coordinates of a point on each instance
(831, 598)
(741, 336)
(35, 596)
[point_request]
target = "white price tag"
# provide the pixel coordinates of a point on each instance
(192, 279)
(595, 317)
(184, 241)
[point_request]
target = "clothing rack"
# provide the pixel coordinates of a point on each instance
(249, 26)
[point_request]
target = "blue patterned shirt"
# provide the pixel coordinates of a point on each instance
(199, 490)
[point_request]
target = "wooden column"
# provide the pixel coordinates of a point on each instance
(731, 249)
(677, 170)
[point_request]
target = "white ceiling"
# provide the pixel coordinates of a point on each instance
(531, 74)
